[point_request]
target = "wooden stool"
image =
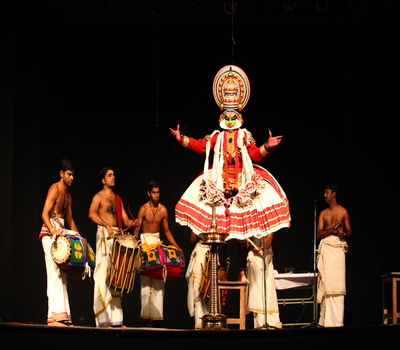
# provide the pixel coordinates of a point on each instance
(241, 286)
(389, 297)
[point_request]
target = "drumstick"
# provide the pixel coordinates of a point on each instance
(132, 218)
(125, 229)
(259, 250)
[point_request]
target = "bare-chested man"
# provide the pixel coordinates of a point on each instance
(333, 229)
(57, 210)
(151, 217)
(107, 211)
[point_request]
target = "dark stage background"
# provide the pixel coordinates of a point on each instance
(101, 82)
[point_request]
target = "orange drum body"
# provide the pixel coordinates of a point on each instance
(126, 260)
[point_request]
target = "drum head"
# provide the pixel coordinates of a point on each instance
(128, 241)
(61, 250)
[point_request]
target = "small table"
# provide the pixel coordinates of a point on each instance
(241, 286)
(293, 280)
(297, 281)
(389, 297)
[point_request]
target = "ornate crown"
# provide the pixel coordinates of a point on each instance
(231, 88)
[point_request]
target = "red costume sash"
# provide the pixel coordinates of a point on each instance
(118, 209)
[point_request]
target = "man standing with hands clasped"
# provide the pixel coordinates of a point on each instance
(333, 229)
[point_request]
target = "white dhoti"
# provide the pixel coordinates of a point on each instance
(151, 290)
(331, 280)
(198, 306)
(261, 293)
(57, 294)
(107, 303)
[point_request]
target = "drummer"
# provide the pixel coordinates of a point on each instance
(57, 209)
(152, 215)
(107, 211)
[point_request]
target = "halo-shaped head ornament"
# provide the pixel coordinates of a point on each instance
(231, 88)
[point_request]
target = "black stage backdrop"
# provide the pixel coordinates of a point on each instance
(101, 83)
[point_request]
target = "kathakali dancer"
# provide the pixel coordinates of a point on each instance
(248, 201)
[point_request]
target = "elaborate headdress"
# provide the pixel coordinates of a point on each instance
(231, 90)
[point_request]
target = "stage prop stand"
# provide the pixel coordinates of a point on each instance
(214, 320)
(265, 325)
(315, 252)
(314, 322)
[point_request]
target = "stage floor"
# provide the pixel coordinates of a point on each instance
(14, 335)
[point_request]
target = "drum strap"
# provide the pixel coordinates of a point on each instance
(104, 235)
(103, 240)
(58, 221)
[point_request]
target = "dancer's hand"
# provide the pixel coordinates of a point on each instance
(273, 140)
(176, 133)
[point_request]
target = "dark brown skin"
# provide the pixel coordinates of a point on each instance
(102, 209)
(335, 219)
(152, 216)
(59, 200)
